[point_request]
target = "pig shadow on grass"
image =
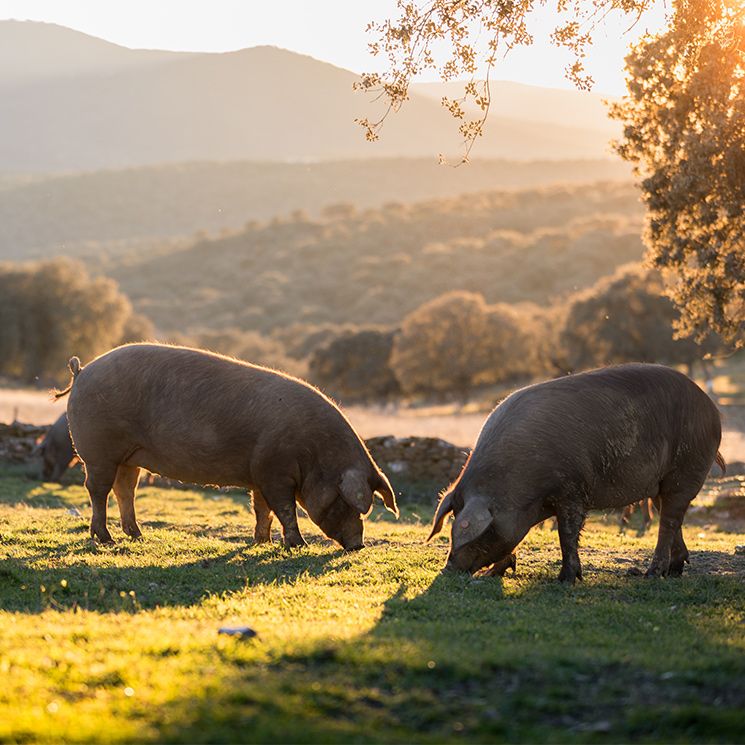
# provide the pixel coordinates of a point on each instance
(607, 660)
(24, 587)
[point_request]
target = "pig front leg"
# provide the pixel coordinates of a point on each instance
(570, 519)
(281, 501)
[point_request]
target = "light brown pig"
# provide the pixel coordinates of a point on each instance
(203, 418)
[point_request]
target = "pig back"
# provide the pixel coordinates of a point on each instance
(197, 416)
(608, 436)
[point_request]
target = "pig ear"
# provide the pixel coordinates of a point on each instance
(355, 491)
(384, 489)
(443, 509)
(471, 522)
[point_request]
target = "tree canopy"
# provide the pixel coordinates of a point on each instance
(683, 117)
(464, 39)
(684, 129)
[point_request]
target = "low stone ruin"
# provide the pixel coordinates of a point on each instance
(18, 441)
(419, 468)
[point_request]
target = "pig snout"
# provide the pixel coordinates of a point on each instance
(352, 539)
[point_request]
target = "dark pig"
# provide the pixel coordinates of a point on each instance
(595, 440)
(56, 450)
(203, 418)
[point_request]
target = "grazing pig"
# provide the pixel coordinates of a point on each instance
(207, 419)
(645, 507)
(56, 450)
(595, 440)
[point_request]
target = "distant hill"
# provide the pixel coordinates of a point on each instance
(108, 213)
(373, 266)
(32, 52)
(530, 103)
(69, 102)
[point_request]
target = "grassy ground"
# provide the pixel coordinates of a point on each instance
(121, 643)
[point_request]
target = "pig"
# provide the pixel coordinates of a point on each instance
(203, 418)
(56, 450)
(595, 440)
(645, 506)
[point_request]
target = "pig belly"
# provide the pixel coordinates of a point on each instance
(619, 494)
(196, 471)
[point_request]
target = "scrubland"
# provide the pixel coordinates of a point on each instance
(120, 644)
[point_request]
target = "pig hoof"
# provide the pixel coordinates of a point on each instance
(262, 538)
(295, 543)
(676, 570)
(500, 567)
(569, 576)
(103, 540)
(133, 533)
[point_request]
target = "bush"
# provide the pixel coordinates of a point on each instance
(624, 317)
(356, 365)
(457, 341)
(50, 310)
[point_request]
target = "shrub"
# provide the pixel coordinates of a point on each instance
(624, 317)
(50, 310)
(457, 341)
(356, 365)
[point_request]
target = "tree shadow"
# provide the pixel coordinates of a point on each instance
(617, 659)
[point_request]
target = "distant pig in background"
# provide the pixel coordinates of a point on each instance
(600, 439)
(203, 418)
(57, 453)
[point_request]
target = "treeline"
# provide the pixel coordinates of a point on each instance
(447, 346)
(425, 299)
(457, 342)
(107, 212)
(50, 310)
(375, 266)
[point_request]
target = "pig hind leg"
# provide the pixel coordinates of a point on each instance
(678, 555)
(570, 520)
(281, 501)
(264, 517)
(671, 553)
(98, 481)
(125, 488)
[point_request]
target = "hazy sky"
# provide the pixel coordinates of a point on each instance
(330, 30)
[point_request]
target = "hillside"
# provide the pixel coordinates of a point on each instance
(260, 104)
(373, 266)
(108, 213)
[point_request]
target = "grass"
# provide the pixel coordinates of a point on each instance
(120, 644)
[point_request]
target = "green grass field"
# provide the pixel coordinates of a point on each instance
(120, 643)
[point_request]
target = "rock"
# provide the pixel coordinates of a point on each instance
(240, 632)
(419, 467)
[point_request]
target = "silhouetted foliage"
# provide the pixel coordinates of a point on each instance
(51, 310)
(356, 365)
(457, 341)
(464, 40)
(622, 318)
(684, 128)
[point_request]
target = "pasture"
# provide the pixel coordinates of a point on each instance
(120, 644)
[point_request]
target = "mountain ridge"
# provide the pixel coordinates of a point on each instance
(258, 103)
